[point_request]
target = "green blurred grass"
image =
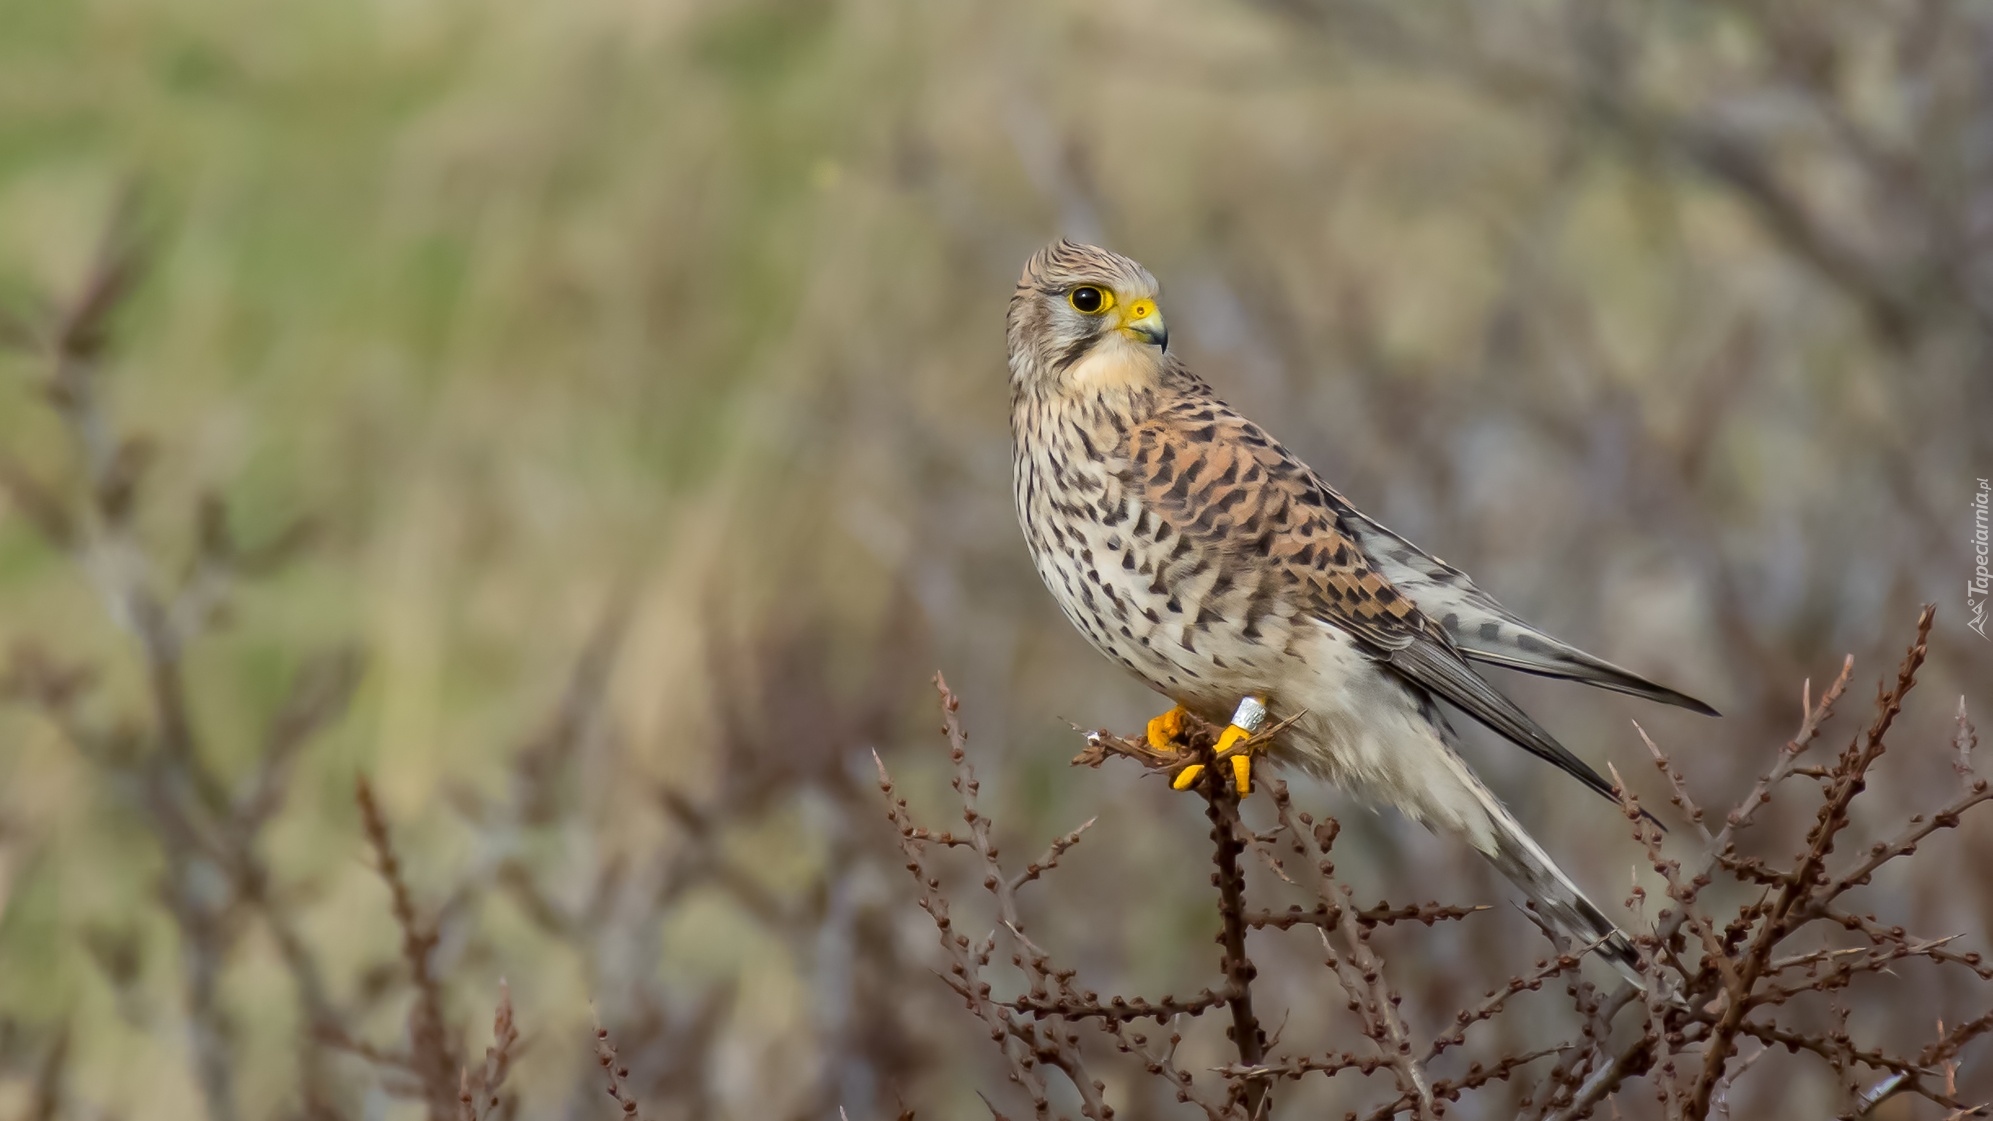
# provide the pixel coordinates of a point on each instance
(421, 271)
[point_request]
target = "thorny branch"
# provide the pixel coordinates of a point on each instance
(1715, 978)
(208, 827)
(208, 823)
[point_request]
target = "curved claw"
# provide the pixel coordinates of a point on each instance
(1166, 731)
(1230, 740)
(1166, 736)
(1231, 745)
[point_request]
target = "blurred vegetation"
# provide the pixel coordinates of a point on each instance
(1670, 321)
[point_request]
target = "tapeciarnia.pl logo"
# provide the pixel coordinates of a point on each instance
(1981, 584)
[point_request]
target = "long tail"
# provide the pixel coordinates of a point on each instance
(1557, 900)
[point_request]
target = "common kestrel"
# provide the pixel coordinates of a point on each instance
(1191, 547)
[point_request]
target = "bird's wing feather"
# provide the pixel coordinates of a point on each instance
(1483, 629)
(1228, 486)
(1441, 671)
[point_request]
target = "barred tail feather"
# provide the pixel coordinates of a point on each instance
(1557, 900)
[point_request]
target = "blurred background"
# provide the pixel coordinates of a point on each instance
(639, 364)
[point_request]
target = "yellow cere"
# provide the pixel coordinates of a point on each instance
(1141, 309)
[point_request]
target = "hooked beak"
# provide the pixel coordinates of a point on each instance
(1144, 321)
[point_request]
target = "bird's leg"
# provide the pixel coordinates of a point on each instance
(1166, 731)
(1234, 744)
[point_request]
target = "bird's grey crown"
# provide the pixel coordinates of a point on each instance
(1063, 264)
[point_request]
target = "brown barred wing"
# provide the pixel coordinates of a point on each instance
(1232, 490)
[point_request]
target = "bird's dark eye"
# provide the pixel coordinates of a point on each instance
(1090, 300)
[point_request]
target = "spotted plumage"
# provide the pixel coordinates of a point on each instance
(1187, 544)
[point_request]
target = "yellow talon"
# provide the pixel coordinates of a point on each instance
(1233, 736)
(1234, 742)
(1166, 732)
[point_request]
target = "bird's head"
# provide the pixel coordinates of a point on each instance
(1083, 314)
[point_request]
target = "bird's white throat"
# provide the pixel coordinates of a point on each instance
(1117, 363)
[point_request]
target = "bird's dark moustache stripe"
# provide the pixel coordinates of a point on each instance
(1073, 353)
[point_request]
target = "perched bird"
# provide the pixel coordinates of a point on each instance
(1191, 547)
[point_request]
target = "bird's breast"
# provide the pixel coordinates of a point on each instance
(1192, 618)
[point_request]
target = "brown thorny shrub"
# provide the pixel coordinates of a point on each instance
(1727, 985)
(209, 824)
(1724, 987)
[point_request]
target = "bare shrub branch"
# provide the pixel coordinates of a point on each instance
(1716, 979)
